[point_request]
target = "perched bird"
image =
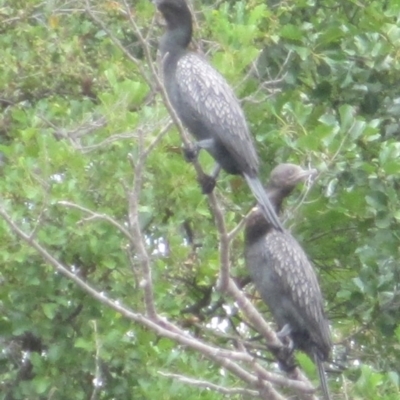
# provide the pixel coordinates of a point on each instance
(285, 278)
(207, 105)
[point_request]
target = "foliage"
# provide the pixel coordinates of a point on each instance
(318, 83)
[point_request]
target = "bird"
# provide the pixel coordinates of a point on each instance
(285, 278)
(207, 106)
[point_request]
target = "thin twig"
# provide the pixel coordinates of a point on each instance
(134, 225)
(157, 139)
(43, 209)
(105, 143)
(97, 374)
(209, 385)
(235, 231)
(94, 216)
(224, 243)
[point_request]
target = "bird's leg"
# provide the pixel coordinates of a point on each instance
(206, 144)
(191, 153)
(285, 331)
(284, 354)
(207, 182)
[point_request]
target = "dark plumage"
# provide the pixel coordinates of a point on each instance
(284, 276)
(206, 104)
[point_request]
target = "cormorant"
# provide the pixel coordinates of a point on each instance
(207, 105)
(284, 277)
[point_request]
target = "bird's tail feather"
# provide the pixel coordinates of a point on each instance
(322, 376)
(263, 201)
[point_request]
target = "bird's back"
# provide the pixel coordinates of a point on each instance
(209, 108)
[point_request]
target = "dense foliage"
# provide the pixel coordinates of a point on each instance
(95, 190)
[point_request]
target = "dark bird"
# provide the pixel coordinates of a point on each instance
(285, 278)
(207, 105)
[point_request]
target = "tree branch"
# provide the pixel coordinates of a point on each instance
(209, 385)
(94, 216)
(162, 327)
(134, 226)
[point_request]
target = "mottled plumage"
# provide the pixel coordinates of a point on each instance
(284, 276)
(206, 104)
(206, 96)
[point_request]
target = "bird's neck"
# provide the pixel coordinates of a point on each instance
(276, 197)
(257, 226)
(178, 35)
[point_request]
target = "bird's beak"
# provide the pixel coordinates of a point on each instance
(305, 174)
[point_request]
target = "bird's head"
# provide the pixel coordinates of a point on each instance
(172, 9)
(285, 177)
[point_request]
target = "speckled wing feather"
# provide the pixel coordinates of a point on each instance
(209, 95)
(287, 258)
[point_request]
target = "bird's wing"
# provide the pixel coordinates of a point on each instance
(211, 98)
(299, 282)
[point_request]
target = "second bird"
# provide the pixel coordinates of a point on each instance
(207, 105)
(285, 278)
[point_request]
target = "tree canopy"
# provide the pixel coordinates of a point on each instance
(119, 278)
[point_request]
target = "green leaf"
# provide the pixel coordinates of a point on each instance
(291, 32)
(41, 384)
(50, 310)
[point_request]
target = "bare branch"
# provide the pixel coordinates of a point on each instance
(209, 385)
(134, 226)
(94, 216)
(106, 142)
(157, 139)
(89, 125)
(235, 231)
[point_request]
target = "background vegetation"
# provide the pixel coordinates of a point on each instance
(115, 268)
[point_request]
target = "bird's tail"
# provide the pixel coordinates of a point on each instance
(263, 201)
(322, 376)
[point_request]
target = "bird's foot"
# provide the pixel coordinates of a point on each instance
(191, 152)
(207, 183)
(284, 335)
(284, 357)
(287, 363)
